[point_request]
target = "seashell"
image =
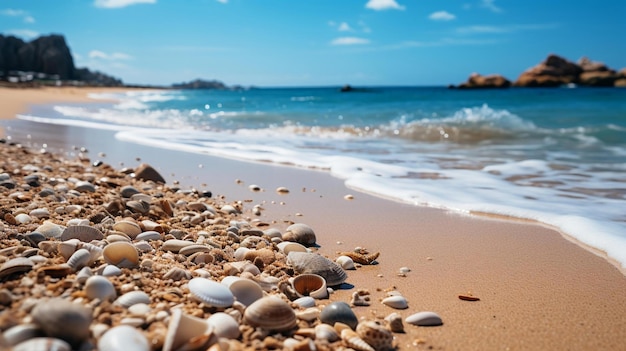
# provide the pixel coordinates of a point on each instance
(211, 292)
(63, 320)
(305, 301)
(288, 246)
(182, 329)
(34, 238)
(310, 285)
(121, 254)
(192, 249)
(83, 275)
(115, 237)
(266, 256)
(123, 337)
(266, 282)
(23, 218)
(197, 206)
(84, 187)
(20, 333)
(99, 287)
(76, 221)
(44, 344)
(394, 322)
(128, 190)
(139, 309)
(95, 252)
(345, 262)
(224, 325)
(282, 190)
(240, 267)
(326, 332)
(143, 246)
(50, 230)
(425, 318)
(131, 298)
(240, 253)
(396, 301)
(251, 242)
(339, 311)
(270, 313)
(309, 314)
(230, 209)
(305, 262)
(201, 257)
(39, 213)
(57, 270)
(111, 271)
(79, 259)
(141, 197)
(141, 206)
(352, 340)
(174, 245)
(300, 233)
(375, 335)
(245, 291)
(83, 233)
(149, 235)
(151, 226)
(127, 227)
(177, 274)
(67, 248)
(15, 266)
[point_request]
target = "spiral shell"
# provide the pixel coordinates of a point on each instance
(271, 313)
(300, 233)
(304, 262)
(121, 254)
(211, 292)
(351, 339)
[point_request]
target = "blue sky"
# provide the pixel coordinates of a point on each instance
(322, 42)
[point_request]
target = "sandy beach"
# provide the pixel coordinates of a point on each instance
(537, 289)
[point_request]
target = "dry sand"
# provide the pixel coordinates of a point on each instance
(537, 290)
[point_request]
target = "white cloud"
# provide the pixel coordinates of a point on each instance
(441, 16)
(379, 5)
(29, 19)
(24, 33)
(490, 5)
(478, 29)
(116, 56)
(344, 27)
(223, 1)
(18, 13)
(350, 41)
(112, 4)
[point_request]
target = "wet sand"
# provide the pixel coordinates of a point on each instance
(537, 290)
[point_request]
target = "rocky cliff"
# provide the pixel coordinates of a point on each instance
(45, 58)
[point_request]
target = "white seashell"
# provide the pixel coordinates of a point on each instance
(50, 230)
(121, 254)
(425, 318)
(375, 335)
(83, 233)
(131, 298)
(133, 321)
(326, 332)
(174, 245)
(354, 341)
(240, 253)
(94, 251)
(123, 337)
(305, 301)
(83, 274)
(288, 246)
(143, 246)
(23, 218)
(20, 333)
(139, 309)
(67, 248)
(211, 292)
(224, 325)
(345, 262)
(62, 319)
(182, 328)
(149, 235)
(75, 221)
(310, 314)
(111, 271)
(176, 274)
(245, 291)
(99, 287)
(270, 313)
(113, 237)
(79, 259)
(396, 301)
(310, 285)
(44, 344)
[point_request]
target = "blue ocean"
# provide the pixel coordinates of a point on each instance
(557, 156)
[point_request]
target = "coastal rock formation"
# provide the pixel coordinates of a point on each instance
(554, 71)
(621, 78)
(596, 73)
(477, 81)
(45, 58)
(200, 84)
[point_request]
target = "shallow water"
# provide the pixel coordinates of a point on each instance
(553, 155)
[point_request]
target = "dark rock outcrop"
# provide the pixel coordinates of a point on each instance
(596, 74)
(200, 84)
(492, 81)
(45, 58)
(553, 72)
(621, 78)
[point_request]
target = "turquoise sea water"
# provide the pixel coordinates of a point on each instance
(553, 155)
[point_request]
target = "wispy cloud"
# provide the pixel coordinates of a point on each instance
(379, 5)
(350, 41)
(490, 5)
(116, 56)
(477, 29)
(223, 1)
(24, 33)
(114, 4)
(18, 13)
(344, 27)
(441, 16)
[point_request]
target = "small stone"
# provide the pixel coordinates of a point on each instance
(425, 318)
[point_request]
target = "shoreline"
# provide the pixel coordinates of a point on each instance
(537, 290)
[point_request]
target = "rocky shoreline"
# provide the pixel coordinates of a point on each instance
(554, 71)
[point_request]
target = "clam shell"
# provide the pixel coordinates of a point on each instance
(50, 230)
(128, 190)
(425, 318)
(326, 332)
(111, 271)
(211, 292)
(304, 262)
(300, 233)
(67, 248)
(182, 328)
(149, 235)
(354, 341)
(310, 285)
(224, 325)
(20, 333)
(14, 266)
(129, 228)
(345, 262)
(305, 301)
(270, 313)
(121, 254)
(288, 246)
(83, 275)
(63, 320)
(44, 344)
(140, 206)
(83, 233)
(123, 337)
(245, 291)
(175, 245)
(375, 335)
(240, 253)
(99, 287)
(176, 274)
(79, 259)
(143, 246)
(339, 311)
(132, 298)
(396, 301)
